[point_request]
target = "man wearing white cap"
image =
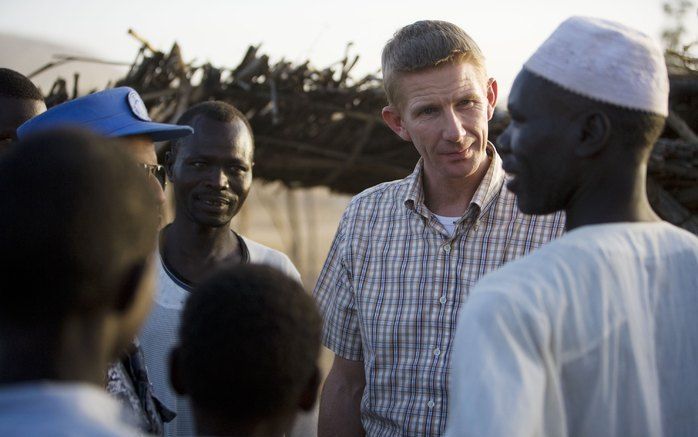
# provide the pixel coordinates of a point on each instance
(595, 333)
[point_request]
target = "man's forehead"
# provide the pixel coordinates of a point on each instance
(141, 148)
(457, 76)
(533, 97)
(206, 126)
(212, 138)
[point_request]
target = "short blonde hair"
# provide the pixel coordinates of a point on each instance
(426, 44)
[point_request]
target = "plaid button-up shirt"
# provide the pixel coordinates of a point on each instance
(394, 281)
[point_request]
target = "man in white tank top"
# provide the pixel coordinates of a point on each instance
(211, 172)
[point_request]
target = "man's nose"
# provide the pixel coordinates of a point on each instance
(218, 179)
(453, 127)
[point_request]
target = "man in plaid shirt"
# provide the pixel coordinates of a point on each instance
(407, 252)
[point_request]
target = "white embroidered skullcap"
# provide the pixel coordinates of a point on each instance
(605, 61)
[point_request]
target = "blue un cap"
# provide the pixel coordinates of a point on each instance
(116, 112)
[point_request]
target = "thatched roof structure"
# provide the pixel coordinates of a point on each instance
(323, 128)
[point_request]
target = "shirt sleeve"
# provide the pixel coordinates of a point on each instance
(335, 297)
(498, 378)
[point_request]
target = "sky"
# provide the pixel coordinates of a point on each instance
(219, 31)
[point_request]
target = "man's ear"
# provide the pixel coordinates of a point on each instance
(391, 116)
(310, 393)
(175, 373)
(130, 286)
(594, 132)
(492, 93)
(170, 157)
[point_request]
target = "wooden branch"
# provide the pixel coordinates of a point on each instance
(670, 209)
(143, 41)
(681, 128)
(353, 157)
(688, 195)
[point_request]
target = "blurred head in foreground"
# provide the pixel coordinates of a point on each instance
(20, 100)
(76, 237)
(249, 345)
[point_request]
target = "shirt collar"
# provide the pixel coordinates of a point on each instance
(486, 192)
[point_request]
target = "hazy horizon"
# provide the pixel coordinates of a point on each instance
(220, 31)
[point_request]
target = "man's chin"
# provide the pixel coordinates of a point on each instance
(530, 208)
(213, 221)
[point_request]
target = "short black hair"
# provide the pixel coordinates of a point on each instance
(78, 216)
(249, 344)
(16, 85)
(213, 110)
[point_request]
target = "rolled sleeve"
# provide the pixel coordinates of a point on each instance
(335, 298)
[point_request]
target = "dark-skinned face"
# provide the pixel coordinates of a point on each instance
(14, 112)
(537, 146)
(212, 172)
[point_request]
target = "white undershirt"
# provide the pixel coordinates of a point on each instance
(448, 222)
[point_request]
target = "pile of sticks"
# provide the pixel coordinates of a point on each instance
(322, 127)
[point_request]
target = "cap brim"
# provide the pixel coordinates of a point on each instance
(155, 131)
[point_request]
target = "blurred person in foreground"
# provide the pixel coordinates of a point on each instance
(594, 334)
(211, 173)
(20, 100)
(248, 352)
(77, 235)
(407, 252)
(120, 113)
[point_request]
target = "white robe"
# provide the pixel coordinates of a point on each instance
(594, 334)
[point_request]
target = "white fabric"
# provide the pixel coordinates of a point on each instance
(60, 409)
(606, 61)
(593, 334)
(449, 223)
(161, 331)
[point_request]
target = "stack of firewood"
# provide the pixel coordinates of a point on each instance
(322, 127)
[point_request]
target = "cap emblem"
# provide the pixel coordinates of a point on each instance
(137, 106)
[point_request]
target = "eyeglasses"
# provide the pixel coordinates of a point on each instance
(157, 171)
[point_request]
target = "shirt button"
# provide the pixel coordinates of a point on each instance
(430, 404)
(447, 248)
(442, 300)
(437, 352)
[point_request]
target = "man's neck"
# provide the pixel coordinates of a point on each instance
(208, 424)
(73, 352)
(611, 197)
(193, 250)
(451, 197)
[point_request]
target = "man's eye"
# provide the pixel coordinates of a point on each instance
(198, 164)
(238, 169)
(467, 103)
(429, 110)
